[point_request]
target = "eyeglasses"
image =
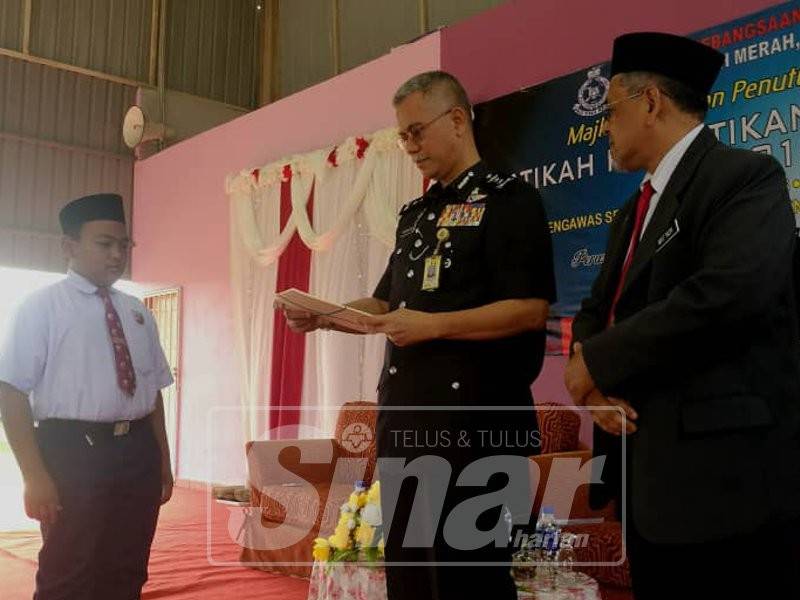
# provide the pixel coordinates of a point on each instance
(608, 112)
(416, 133)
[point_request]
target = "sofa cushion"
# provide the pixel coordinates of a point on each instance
(304, 509)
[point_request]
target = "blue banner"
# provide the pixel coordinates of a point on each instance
(550, 135)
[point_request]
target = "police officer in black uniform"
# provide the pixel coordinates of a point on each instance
(463, 303)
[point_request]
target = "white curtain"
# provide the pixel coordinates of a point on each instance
(358, 201)
(357, 197)
(255, 220)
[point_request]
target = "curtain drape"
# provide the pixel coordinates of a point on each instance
(345, 232)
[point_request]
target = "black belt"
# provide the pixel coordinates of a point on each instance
(92, 430)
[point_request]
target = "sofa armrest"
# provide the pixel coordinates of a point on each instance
(285, 475)
(561, 480)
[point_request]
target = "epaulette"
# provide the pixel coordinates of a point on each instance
(498, 182)
(410, 204)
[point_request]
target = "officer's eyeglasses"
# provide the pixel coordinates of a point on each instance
(416, 133)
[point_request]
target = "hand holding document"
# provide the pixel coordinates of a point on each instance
(338, 314)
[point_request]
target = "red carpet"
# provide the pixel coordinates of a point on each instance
(179, 562)
(184, 563)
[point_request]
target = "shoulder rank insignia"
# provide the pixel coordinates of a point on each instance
(475, 196)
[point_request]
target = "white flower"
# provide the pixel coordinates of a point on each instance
(346, 508)
(371, 514)
(351, 524)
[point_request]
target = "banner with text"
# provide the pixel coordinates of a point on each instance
(551, 136)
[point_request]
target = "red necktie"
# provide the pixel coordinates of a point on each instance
(642, 204)
(126, 378)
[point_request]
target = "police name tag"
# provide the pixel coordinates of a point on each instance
(430, 278)
(462, 215)
(668, 235)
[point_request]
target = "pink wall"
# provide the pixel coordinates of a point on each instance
(525, 42)
(181, 212)
(181, 227)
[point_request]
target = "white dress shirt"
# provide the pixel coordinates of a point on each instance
(664, 171)
(58, 351)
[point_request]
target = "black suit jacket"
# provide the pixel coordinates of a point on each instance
(705, 347)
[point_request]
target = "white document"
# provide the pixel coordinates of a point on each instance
(339, 314)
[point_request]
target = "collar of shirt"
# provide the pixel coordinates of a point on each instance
(461, 187)
(84, 285)
(665, 169)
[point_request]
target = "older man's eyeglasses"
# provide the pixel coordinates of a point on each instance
(608, 108)
(416, 133)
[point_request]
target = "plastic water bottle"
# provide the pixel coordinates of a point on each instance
(547, 538)
(567, 558)
(548, 533)
(508, 518)
(552, 537)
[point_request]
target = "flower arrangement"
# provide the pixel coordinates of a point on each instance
(359, 533)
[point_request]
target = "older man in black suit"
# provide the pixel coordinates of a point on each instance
(691, 333)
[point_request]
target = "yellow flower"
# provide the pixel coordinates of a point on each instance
(357, 500)
(322, 550)
(341, 533)
(364, 535)
(381, 547)
(340, 541)
(374, 493)
(346, 522)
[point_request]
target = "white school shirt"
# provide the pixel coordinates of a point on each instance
(58, 351)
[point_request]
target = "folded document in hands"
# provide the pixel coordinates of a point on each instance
(351, 318)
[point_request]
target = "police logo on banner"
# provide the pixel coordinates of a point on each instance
(592, 94)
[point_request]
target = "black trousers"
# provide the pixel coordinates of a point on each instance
(761, 564)
(434, 581)
(110, 491)
(436, 434)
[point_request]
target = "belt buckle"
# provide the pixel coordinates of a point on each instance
(121, 428)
